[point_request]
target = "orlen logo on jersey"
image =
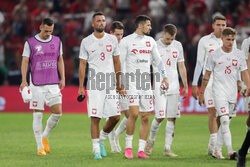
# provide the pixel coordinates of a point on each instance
(234, 62)
(134, 51)
(211, 50)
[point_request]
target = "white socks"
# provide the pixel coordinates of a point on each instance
(142, 144)
(226, 133)
(248, 128)
(169, 131)
(96, 145)
(38, 128)
(122, 127)
(103, 136)
(51, 124)
(212, 140)
(112, 136)
(129, 141)
(219, 143)
(154, 130)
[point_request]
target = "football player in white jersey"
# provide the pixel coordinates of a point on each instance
(225, 63)
(101, 51)
(137, 51)
(117, 29)
(167, 104)
(206, 45)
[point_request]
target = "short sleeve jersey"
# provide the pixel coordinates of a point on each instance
(99, 52)
(137, 52)
(171, 55)
(225, 68)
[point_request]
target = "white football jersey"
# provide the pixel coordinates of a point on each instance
(206, 45)
(137, 51)
(245, 47)
(170, 55)
(99, 52)
(225, 68)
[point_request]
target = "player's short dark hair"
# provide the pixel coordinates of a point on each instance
(170, 28)
(97, 14)
(219, 17)
(141, 19)
(116, 25)
(47, 21)
(228, 31)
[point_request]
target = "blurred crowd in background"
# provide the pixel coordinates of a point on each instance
(20, 19)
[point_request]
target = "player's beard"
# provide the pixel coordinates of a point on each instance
(100, 30)
(146, 33)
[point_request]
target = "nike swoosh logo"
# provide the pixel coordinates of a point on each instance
(93, 51)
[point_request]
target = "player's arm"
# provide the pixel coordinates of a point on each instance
(24, 69)
(183, 73)
(245, 78)
(61, 72)
(203, 86)
(198, 68)
(160, 65)
(25, 65)
(82, 68)
(117, 67)
(83, 56)
(209, 68)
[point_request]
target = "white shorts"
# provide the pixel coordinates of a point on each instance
(102, 105)
(167, 106)
(141, 98)
(208, 95)
(123, 103)
(49, 94)
(224, 107)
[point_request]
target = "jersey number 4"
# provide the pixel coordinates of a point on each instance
(102, 56)
(169, 62)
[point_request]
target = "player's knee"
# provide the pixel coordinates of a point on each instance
(212, 112)
(145, 118)
(159, 120)
(224, 120)
(115, 119)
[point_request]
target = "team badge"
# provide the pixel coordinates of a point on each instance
(161, 113)
(174, 54)
(94, 111)
(34, 103)
(234, 62)
(109, 48)
(148, 44)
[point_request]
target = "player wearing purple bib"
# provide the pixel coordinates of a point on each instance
(43, 55)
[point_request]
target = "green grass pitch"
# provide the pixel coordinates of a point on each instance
(71, 143)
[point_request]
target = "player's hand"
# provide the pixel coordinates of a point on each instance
(239, 85)
(23, 84)
(247, 92)
(121, 90)
(164, 84)
(185, 92)
(81, 91)
(62, 84)
(201, 99)
(195, 92)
